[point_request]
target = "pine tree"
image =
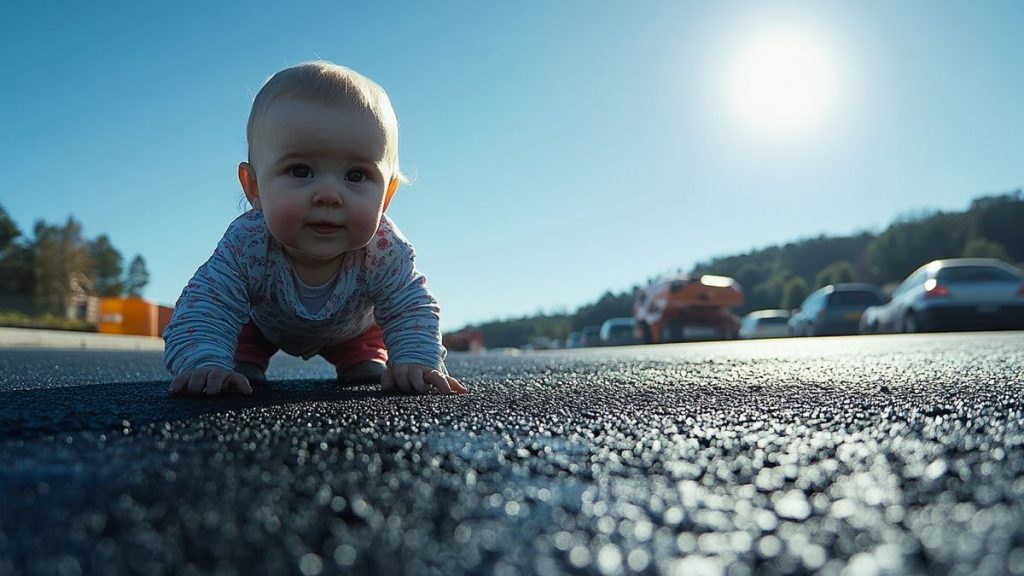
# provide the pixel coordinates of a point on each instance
(137, 278)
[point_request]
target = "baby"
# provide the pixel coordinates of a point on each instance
(315, 267)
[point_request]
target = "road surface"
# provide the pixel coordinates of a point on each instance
(854, 455)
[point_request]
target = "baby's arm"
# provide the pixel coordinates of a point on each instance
(200, 340)
(409, 316)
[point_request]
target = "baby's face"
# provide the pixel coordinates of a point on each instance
(321, 177)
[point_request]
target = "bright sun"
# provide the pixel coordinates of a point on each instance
(780, 85)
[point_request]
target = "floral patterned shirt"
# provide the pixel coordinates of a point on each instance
(249, 276)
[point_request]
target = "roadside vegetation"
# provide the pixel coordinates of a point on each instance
(44, 322)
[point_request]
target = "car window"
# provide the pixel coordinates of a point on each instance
(915, 279)
(819, 300)
(854, 297)
(774, 321)
(976, 274)
(904, 286)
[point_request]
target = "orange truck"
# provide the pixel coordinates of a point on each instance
(681, 308)
(465, 340)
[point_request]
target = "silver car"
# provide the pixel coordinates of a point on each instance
(954, 294)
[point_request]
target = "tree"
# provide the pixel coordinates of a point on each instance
(834, 273)
(1001, 220)
(984, 248)
(137, 278)
(767, 294)
(60, 265)
(15, 258)
(107, 267)
(8, 230)
(910, 243)
(608, 306)
(16, 270)
(795, 292)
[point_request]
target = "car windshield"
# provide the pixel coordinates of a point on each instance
(976, 274)
(854, 297)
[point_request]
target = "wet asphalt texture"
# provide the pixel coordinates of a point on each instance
(855, 455)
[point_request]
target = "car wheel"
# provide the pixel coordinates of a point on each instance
(672, 332)
(645, 333)
(910, 324)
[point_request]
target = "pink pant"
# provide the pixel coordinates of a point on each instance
(253, 347)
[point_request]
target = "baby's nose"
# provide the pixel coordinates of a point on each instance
(327, 194)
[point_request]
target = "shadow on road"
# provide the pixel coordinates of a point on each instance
(32, 413)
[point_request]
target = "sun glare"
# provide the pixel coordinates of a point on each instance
(780, 85)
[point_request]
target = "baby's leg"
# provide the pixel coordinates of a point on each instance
(252, 356)
(361, 360)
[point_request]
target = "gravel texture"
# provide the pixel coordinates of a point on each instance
(855, 455)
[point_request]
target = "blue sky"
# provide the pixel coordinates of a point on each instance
(558, 149)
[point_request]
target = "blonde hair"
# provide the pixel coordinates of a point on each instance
(329, 83)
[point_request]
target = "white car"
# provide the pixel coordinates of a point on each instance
(618, 332)
(765, 324)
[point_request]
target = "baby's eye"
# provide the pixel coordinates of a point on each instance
(300, 171)
(356, 175)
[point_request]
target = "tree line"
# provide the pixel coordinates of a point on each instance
(58, 264)
(782, 276)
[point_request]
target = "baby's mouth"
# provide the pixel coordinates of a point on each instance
(324, 227)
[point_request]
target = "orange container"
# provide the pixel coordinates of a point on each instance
(164, 314)
(128, 316)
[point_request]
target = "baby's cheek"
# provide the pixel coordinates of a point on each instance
(368, 221)
(284, 219)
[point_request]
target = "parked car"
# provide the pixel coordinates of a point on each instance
(573, 340)
(590, 336)
(765, 324)
(618, 332)
(953, 294)
(834, 309)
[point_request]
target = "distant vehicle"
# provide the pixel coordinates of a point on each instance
(958, 293)
(465, 340)
(765, 324)
(543, 343)
(617, 332)
(684, 308)
(834, 309)
(573, 340)
(590, 336)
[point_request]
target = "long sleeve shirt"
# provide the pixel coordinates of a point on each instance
(250, 276)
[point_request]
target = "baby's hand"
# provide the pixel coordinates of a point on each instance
(418, 379)
(209, 381)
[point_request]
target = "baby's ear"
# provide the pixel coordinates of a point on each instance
(392, 186)
(247, 178)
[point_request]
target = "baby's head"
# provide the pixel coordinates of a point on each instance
(327, 83)
(323, 160)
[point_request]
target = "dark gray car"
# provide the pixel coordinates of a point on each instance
(834, 309)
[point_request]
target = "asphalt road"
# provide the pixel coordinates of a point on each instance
(855, 455)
